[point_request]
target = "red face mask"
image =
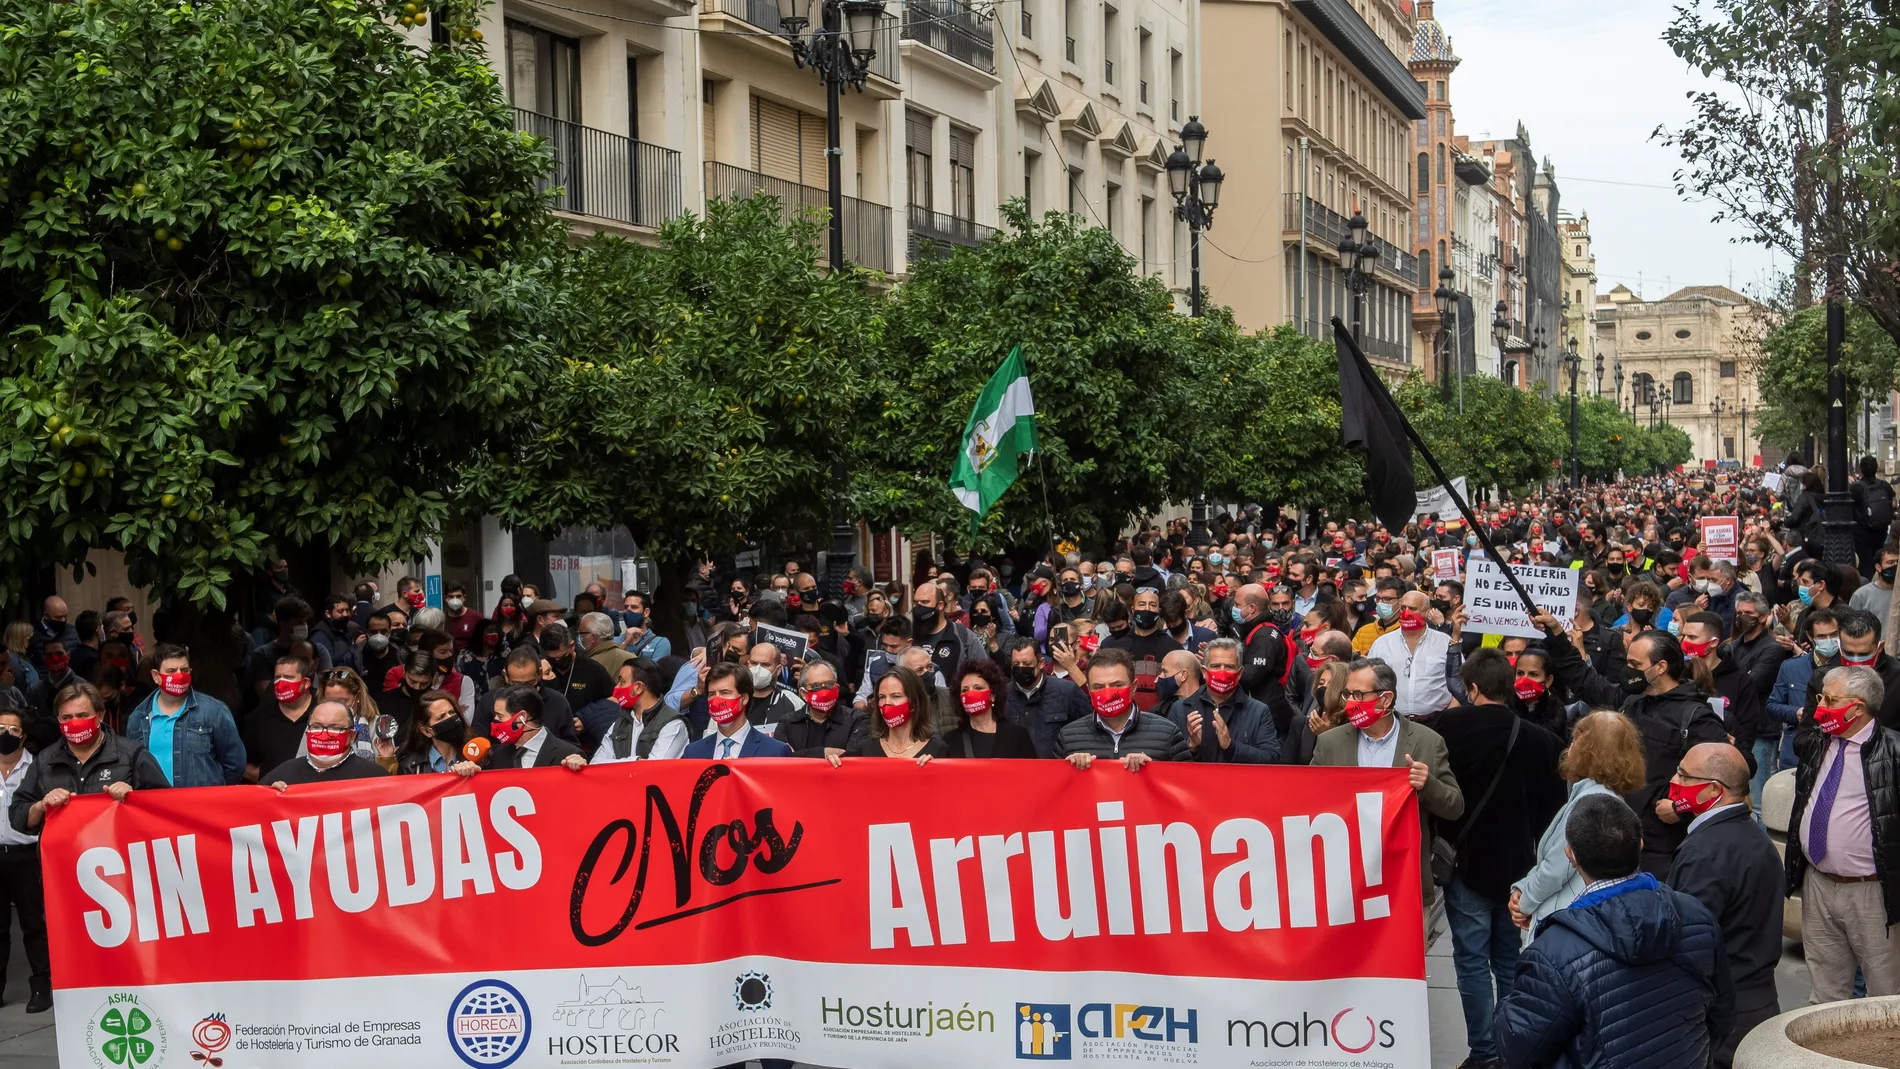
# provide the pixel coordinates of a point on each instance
(1697, 649)
(509, 611)
(1316, 663)
(491, 640)
(415, 598)
(895, 714)
(725, 710)
(1364, 714)
(289, 690)
(1851, 661)
(1411, 621)
(1528, 689)
(623, 696)
(975, 702)
(1219, 591)
(1832, 719)
(57, 663)
(176, 684)
(824, 699)
(1307, 633)
(326, 743)
(507, 730)
(1088, 643)
(1222, 680)
(1111, 702)
(80, 731)
(1039, 587)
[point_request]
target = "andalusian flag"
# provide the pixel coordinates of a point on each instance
(1002, 426)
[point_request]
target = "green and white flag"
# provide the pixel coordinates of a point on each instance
(1002, 426)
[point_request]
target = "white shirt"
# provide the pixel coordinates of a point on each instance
(670, 744)
(1703, 819)
(1422, 689)
(8, 785)
(528, 751)
(737, 739)
(1379, 753)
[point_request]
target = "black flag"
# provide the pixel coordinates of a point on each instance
(1369, 420)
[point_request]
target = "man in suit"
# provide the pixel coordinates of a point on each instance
(520, 740)
(1729, 864)
(728, 689)
(1374, 737)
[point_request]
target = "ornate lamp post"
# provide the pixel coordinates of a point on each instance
(1356, 251)
(1196, 189)
(1573, 362)
(1447, 300)
(1501, 333)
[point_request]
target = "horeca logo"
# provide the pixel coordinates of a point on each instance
(1042, 1032)
(489, 1024)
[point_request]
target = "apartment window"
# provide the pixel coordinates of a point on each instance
(1071, 27)
(1643, 388)
(1031, 165)
(1114, 197)
(1441, 163)
(788, 143)
(1305, 111)
(1728, 449)
(917, 159)
(1029, 23)
(706, 116)
(544, 72)
(1078, 200)
(1111, 42)
(1148, 235)
(1441, 90)
(633, 97)
(1425, 274)
(1728, 369)
(1145, 55)
(1175, 84)
(962, 173)
(1685, 389)
(1424, 173)
(1286, 64)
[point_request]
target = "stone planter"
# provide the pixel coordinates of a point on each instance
(1834, 1035)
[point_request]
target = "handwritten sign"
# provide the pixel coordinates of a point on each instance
(1438, 499)
(1444, 564)
(1722, 537)
(1495, 608)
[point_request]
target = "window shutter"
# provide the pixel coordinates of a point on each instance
(774, 140)
(917, 133)
(962, 148)
(811, 154)
(706, 118)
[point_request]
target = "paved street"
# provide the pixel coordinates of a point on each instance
(27, 1042)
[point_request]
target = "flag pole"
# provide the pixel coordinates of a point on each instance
(1048, 516)
(1484, 540)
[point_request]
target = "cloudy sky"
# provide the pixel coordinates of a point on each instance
(1591, 82)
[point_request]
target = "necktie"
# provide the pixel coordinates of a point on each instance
(725, 749)
(1824, 805)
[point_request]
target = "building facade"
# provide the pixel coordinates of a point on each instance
(1310, 112)
(1580, 301)
(1689, 358)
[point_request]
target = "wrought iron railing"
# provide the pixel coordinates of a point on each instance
(953, 28)
(606, 175)
(867, 226)
(1330, 228)
(764, 15)
(932, 233)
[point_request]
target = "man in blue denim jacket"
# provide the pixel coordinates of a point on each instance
(190, 734)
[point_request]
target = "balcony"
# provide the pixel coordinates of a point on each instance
(953, 28)
(933, 233)
(1328, 228)
(1397, 352)
(1348, 31)
(606, 175)
(764, 15)
(867, 226)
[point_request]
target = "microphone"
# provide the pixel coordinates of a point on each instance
(476, 749)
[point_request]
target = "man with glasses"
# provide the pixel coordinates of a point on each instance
(1375, 737)
(1730, 865)
(1385, 607)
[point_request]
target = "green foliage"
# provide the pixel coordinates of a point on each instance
(1793, 373)
(1107, 359)
(1505, 437)
(709, 386)
(267, 273)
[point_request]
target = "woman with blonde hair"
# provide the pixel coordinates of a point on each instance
(19, 635)
(344, 685)
(1605, 757)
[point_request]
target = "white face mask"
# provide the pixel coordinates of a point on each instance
(454, 604)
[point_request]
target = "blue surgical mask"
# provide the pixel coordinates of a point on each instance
(1386, 611)
(1471, 540)
(1215, 558)
(1806, 595)
(1827, 648)
(1235, 613)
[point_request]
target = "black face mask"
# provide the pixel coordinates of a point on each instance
(1642, 617)
(1071, 589)
(561, 664)
(10, 743)
(1614, 568)
(1146, 619)
(1280, 617)
(1442, 605)
(923, 618)
(1024, 675)
(980, 619)
(1886, 574)
(451, 731)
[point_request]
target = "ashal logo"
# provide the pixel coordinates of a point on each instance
(1348, 1031)
(122, 1032)
(209, 1037)
(489, 1024)
(1042, 1032)
(752, 992)
(611, 1022)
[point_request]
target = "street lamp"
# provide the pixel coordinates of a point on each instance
(1617, 374)
(1718, 406)
(1356, 250)
(1501, 333)
(1447, 300)
(1655, 410)
(1598, 361)
(840, 49)
(1540, 350)
(1196, 189)
(1573, 362)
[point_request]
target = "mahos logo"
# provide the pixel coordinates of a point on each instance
(489, 1024)
(1350, 1031)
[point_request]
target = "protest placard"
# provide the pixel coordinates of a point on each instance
(1722, 538)
(1444, 564)
(792, 644)
(1495, 609)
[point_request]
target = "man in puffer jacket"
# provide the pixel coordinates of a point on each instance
(1632, 973)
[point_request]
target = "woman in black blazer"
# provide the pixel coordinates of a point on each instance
(981, 688)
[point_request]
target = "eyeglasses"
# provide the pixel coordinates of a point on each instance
(1364, 695)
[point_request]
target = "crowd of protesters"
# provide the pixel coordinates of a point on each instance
(1590, 800)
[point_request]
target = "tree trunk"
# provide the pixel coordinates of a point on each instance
(217, 647)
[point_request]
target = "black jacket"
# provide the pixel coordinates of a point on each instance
(1880, 765)
(844, 729)
(1604, 646)
(1501, 845)
(1265, 664)
(1252, 739)
(1044, 711)
(554, 750)
(1745, 711)
(1669, 724)
(1730, 865)
(1760, 657)
(1146, 733)
(117, 760)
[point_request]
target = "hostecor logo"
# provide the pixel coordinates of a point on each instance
(489, 1024)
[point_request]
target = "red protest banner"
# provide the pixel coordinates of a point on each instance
(681, 912)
